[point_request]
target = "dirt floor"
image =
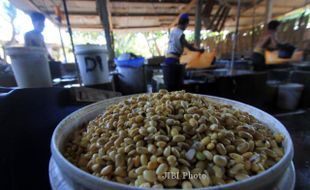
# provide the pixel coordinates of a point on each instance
(298, 125)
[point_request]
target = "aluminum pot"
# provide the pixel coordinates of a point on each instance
(265, 180)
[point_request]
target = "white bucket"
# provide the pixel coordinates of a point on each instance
(289, 95)
(30, 66)
(93, 64)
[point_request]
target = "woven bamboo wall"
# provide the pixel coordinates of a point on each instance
(293, 31)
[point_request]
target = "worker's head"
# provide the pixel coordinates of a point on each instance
(38, 21)
(273, 25)
(183, 21)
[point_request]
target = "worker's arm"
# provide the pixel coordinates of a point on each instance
(185, 43)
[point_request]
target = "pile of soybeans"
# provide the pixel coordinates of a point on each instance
(174, 140)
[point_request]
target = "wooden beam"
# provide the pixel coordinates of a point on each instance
(35, 7)
(161, 15)
(211, 23)
(139, 29)
(81, 0)
(145, 14)
(220, 18)
(152, 1)
(140, 1)
(245, 4)
(245, 9)
(86, 13)
(149, 26)
(185, 9)
(234, 25)
(132, 27)
(279, 6)
(224, 19)
(109, 14)
(85, 26)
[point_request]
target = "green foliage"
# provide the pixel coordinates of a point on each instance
(124, 43)
(147, 44)
(82, 37)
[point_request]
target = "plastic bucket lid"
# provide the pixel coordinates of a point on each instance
(89, 48)
(15, 51)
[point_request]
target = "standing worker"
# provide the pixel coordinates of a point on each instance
(177, 41)
(268, 41)
(35, 38)
(172, 69)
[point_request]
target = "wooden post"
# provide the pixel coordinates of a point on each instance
(198, 22)
(103, 9)
(253, 25)
(268, 16)
(235, 39)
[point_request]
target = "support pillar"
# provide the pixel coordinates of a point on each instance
(102, 7)
(268, 15)
(235, 39)
(198, 22)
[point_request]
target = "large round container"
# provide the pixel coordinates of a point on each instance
(30, 66)
(289, 95)
(93, 64)
(264, 180)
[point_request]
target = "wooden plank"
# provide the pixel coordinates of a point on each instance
(152, 1)
(86, 13)
(132, 27)
(36, 8)
(81, 0)
(218, 12)
(185, 9)
(208, 8)
(146, 14)
(224, 19)
(207, 11)
(216, 25)
(109, 14)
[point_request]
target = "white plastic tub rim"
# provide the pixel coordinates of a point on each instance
(75, 119)
(17, 51)
(82, 49)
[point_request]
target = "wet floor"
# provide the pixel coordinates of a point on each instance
(299, 127)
